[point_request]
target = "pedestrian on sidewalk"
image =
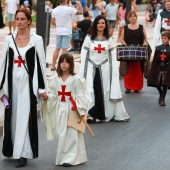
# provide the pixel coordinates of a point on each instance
(147, 18)
(121, 16)
(160, 69)
(162, 24)
(11, 7)
(111, 15)
(133, 33)
(23, 79)
(100, 69)
(66, 88)
(60, 15)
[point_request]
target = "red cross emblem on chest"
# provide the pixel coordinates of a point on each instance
(63, 93)
(168, 21)
(163, 56)
(19, 61)
(99, 48)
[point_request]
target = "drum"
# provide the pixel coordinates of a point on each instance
(132, 52)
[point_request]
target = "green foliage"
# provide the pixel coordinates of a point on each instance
(34, 18)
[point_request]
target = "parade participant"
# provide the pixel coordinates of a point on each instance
(100, 68)
(64, 86)
(133, 33)
(160, 69)
(162, 24)
(22, 77)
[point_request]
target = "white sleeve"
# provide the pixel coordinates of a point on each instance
(72, 10)
(157, 34)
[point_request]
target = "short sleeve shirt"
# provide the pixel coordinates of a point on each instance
(63, 18)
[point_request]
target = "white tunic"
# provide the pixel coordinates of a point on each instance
(20, 109)
(100, 54)
(70, 142)
(20, 91)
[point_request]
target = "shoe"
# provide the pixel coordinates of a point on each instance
(136, 91)
(125, 120)
(71, 51)
(10, 33)
(127, 91)
(21, 162)
(159, 100)
(53, 69)
(162, 102)
(66, 165)
(91, 119)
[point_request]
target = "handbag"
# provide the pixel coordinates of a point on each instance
(123, 68)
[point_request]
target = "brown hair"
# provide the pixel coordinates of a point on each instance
(131, 13)
(69, 59)
(26, 12)
(165, 34)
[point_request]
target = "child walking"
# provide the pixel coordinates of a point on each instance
(160, 69)
(65, 89)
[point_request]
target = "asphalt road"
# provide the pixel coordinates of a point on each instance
(141, 144)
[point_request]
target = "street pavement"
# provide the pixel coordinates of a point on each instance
(143, 143)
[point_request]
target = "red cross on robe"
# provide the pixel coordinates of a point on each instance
(19, 61)
(63, 93)
(99, 48)
(163, 56)
(168, 21)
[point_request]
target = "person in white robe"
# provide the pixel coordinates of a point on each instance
(100, 69)
(22, 89)
(69, 141)
(162, 24)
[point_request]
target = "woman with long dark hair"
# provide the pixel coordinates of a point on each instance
(100, 68)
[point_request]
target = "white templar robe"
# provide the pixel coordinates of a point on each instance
(69, 142)
(99, 54)
(21, 91)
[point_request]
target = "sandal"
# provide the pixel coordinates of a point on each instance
(91, 120)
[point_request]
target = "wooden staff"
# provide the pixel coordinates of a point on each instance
(74, 107)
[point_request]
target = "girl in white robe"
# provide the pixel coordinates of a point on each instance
(100, 68)
(69, 142)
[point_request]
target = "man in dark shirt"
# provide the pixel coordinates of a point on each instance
(81, 32)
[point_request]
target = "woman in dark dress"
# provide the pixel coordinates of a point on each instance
(133, 33)
(2, 25)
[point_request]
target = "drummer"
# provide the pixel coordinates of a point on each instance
(133, 33)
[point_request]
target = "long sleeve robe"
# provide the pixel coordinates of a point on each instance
(69, 142)
(23, 91)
